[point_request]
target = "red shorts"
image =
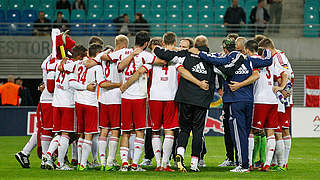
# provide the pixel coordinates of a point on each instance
(87, 117)
(164, 113)
(46, 116)
(285, 119)
(63, 119)
(109, 116)
(265, 116)
(133, 114)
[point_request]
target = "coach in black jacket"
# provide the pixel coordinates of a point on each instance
(193, 101)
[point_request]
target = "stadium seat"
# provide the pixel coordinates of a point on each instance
(48, 5)
(175, 27)
(3, 27)
(158, 5)
(3, 4)
(14, 16)
(250, 4)
(218, 17)
(78, 15)
(65, 12)
(220, 31)
(146, 13)
(16, 4)
(127, 7)
(241, 3)
(190, 30)
(311, 31)
(206, 17)
(111, 4)
(50, 14)
(158, 16)
(94, 29)
(110, 14)
(206, 29)
(205, 5)
(93, 14)
(109, 29)
(78, 29)
(95, 4)
(190, 5)
(158, 29)
(30, 16)
(190, 17)
(174, 16)
(143, 4)
(32, 4)
(26, 29)
(174, 4)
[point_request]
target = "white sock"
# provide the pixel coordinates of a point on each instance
(251, 148)
(271, 143)
(108, 138)
(180, 151)
(287, 147)
(280, 152)
(95, 147)
(45, 143)
(113, 146)
(102, 150)
(30, 144)
(80, 145)
(138, 148)
(53, 145)
(194, 162)
(156, 146)
(74, 150)
(131, 145)
(167, 150)
(86, 149)
(62, 149)
(124, 154)
(274, 158)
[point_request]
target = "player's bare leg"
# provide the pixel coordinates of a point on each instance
(112, 150)
(271, 144)
(124, 150)
(103, 147)
(86, 149)
(287, 145)
(167, 150)
(138, 148)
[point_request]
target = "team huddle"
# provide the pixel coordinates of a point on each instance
(93, 95)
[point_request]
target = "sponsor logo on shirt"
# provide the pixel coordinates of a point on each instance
(164, 78)
(60, 86)
(242, 70)
(199, 68)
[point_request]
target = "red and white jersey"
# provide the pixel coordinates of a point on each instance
(63, 95)
(164, 82)
(86, 76)
(46, 67)
(111, 73)
(283, 61)
(138, 90)
(263, 93)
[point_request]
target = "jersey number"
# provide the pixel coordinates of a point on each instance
(268, 73)
(61, 76)
(107, 69)
(131, 69)
(82, 75)
(165, 68)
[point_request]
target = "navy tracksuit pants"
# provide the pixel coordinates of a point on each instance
(240, 124)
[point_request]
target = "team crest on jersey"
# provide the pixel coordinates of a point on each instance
(242, 70)
(199, 68)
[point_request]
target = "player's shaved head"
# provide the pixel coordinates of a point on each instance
(121, 40)
(201, 41)
(10, 78)
(240, 44)
(94, 49)
(266, 43)
(79, 51)
(96, 40)
(259, 37)
(156, 41)
(252, 46)
(169, 38)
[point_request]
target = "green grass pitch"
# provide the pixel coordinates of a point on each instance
(303, 164)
